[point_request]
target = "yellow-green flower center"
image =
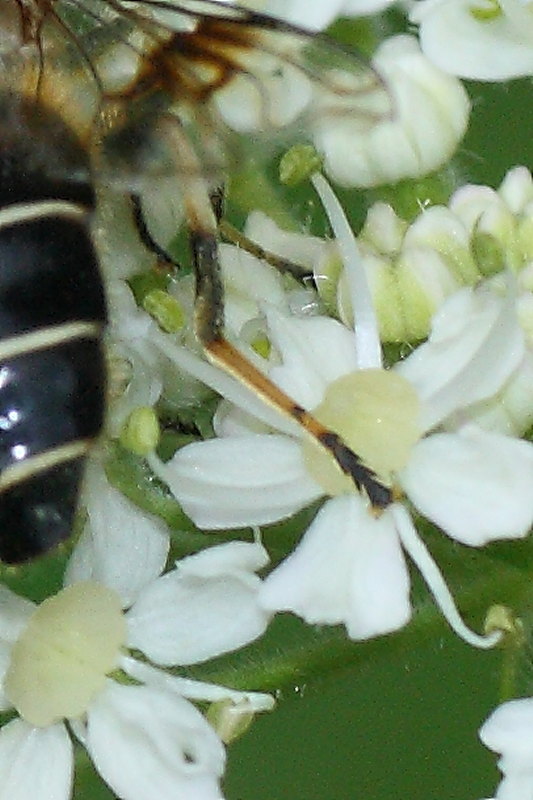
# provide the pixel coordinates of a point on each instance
(376, 413)
(60, 662)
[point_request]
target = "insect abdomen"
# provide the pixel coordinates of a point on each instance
(52, 371)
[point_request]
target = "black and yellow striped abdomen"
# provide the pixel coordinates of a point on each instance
(52, 313)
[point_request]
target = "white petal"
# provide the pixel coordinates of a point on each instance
(197, 691)
(356, 8)
(518, 786)
(313, 16)
(234, 558)
(475, 485)
(452, 37)
(508, 731)
(147, 743)
(162, 207)
(475, 344)
(35, 763)
(510, 411)
(122, 547)
(314, 352)
(14, 614)
(247, 282)
(299, 248)
(267, 93)
(230, 421)
(516, 189)
(205, 607)
(249, 480)
(349, 568)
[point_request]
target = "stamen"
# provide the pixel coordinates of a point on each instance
(436, 583)
(368, 345)
(197, 691)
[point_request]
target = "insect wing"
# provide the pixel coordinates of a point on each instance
(117, 69)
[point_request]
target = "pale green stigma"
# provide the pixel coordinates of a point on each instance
(60, 662)
(376, 413)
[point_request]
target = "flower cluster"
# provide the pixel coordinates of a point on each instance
(379, 445)
(407, 426)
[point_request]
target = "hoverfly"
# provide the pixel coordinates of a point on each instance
(129, 91)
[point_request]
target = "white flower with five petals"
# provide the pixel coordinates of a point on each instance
(65, 665)
(476, 485)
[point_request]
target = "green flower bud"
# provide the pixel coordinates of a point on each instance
(298, 164)
(140, 432)
(165, 309)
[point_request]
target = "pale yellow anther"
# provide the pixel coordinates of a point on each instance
(60, 662)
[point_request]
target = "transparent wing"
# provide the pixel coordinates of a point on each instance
(120, 71)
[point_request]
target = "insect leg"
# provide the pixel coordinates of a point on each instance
(285, 267)
(146, 237)
(209, 325)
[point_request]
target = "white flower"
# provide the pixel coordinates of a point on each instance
(349, 567)
(412, 268)
(65, 666)
(509, 731)
(490, 40)
(404, 144)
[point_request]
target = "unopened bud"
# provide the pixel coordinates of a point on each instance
(165, 309)
(140, 432)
